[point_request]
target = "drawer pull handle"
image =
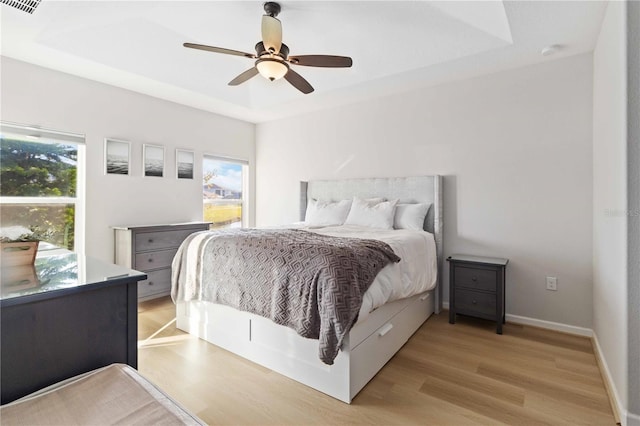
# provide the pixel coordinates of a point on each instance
(474, 278)
(384, 330)
(474, 302)
(150, 259)
(150, 282)
(150, 240)
(424, 297)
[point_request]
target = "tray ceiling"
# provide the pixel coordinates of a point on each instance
(395, 45)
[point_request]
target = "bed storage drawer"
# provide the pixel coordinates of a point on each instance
(156, 282)
(367, 326)
(377, 349)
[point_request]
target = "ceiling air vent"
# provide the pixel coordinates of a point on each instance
(24, 5)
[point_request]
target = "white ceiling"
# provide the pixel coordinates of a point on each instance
(395, 45)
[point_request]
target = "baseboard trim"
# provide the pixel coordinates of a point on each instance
(619, 413)
(549, 325)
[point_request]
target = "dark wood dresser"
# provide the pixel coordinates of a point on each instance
(477, 288)
(151, 248)
(69, 315)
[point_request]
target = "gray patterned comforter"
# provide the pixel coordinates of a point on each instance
(309, 282)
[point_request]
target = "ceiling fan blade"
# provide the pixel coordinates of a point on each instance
(219, 50)
(325, 61)
(271, 33)
(251, 72)
(298, 82)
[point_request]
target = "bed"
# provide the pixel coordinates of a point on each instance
(115, 394)
(372, 340)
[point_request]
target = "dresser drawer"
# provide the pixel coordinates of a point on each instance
(156, 282)
(476, 303)
(161, 239)
(476, 278)
(154, 259)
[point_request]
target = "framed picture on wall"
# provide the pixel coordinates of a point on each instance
(153, 160)
(116, 157)
(185, 161)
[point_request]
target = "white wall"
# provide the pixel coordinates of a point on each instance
(610, 196)
(37, 96)
(515, 150)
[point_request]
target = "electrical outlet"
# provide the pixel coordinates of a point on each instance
(552, 283)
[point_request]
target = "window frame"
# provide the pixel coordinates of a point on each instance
(245, 182)
(46, 136)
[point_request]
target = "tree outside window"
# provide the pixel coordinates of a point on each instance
(38, 186)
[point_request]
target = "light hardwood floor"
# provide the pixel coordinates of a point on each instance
(446, 374)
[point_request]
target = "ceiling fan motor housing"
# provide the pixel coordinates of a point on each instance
(261, 50)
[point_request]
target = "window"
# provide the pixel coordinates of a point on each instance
(224, 191)
(41, 183)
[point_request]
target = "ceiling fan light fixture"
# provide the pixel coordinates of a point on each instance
(272, 69)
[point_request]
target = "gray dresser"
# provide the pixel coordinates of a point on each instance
(151, 249)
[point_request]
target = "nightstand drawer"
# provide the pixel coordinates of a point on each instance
(476, 278)
(161, 239)
(154, 260)
(475, 302)
(156, 282)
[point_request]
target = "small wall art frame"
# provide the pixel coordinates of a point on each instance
(117, 155)
(152, 160)
(185, 161)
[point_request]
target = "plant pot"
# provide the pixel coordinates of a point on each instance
(20, 253)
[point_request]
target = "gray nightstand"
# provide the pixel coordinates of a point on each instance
(477, 288)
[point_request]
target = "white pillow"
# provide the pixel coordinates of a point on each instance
(374, 200)
(410, 216)
(327, 213)
(372, 214)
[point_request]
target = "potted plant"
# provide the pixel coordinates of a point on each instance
(19, 245)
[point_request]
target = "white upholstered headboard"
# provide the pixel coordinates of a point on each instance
(418, 189)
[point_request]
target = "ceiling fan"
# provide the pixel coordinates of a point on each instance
(272, 55)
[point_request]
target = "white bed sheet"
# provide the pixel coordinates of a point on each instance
(416, 272)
